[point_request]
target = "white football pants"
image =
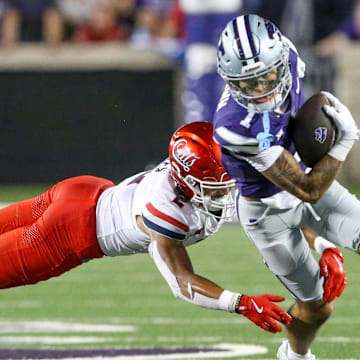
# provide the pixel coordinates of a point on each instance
(277, 235)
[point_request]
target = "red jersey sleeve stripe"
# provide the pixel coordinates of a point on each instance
(167, 218)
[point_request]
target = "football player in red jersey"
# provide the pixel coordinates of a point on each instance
(183, 200)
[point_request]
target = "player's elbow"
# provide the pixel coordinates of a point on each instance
(310, 195)
(311, 198)
(178, 291)
(314, 199)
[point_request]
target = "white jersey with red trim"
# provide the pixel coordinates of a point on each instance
(152, 195)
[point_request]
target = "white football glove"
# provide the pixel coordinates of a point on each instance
(346, 125)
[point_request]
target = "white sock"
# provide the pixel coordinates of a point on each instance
(292, 355)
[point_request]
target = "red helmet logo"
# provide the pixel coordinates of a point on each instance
(196, 168)
(181, 154)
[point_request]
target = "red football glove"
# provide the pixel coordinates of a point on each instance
(333, 270)
(261, 311)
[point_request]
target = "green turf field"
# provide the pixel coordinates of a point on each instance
(129, 296)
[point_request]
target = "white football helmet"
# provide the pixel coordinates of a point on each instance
(253, 59)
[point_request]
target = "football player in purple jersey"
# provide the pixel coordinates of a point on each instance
(278, 197)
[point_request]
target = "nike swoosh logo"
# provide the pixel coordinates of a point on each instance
(259, 310)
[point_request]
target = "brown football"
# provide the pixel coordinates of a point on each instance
(313, 132)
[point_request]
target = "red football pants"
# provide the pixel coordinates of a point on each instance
(47, 235)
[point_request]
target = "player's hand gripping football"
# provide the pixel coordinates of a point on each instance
(333, 270)
(263, 312)
(342, 117)
(346, 125)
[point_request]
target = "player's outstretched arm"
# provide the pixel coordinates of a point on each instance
(331, 264)
(287, 173)
(173, 262)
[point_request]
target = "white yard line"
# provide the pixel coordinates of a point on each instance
(228, 350)
(206, 320)
(58, 326)
(51, 340)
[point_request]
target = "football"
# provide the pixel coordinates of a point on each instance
(313, 132)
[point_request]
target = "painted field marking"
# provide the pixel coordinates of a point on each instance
(197, 340)
(53, 340)
(181, 339)
(327, 339)
(219, 351)
(57, 326)
(177, 357)
(208, 320)
(181, 321)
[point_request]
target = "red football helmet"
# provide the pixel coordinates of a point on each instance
(197, 169)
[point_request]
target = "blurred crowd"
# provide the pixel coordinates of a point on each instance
(138, 21)
(158, 24)
(187, 31)
(57, 21)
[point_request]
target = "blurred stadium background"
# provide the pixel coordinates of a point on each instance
(108, 109)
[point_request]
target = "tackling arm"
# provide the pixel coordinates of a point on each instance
(172, 260)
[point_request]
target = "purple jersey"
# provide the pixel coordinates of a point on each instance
(251, 130)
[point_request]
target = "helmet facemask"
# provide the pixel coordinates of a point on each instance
(275, 80)
(213, 198)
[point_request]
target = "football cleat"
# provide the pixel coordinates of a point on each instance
(282, 353)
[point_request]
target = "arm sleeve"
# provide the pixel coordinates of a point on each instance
(225, 302)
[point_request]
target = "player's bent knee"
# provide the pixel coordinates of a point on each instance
(316, 312)
(322, 313)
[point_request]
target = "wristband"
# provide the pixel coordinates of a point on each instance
(321, 244)
(341, 149)
(227, 300)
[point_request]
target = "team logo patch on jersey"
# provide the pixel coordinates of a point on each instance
(320, 134)
(185, 159)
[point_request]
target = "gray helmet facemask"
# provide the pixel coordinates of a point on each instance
(251, 51)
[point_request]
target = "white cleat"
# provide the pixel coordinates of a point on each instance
(282, 353)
